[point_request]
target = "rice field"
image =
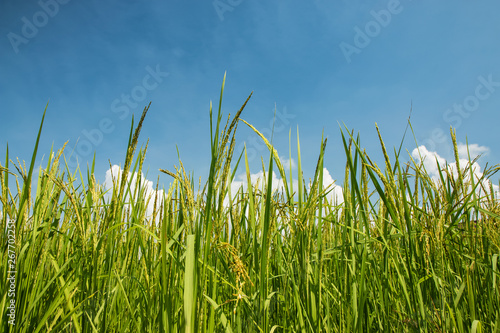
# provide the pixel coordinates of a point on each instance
(401, 252)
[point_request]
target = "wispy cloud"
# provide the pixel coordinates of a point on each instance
(286, 162)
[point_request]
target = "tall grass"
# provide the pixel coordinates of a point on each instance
(402, 252)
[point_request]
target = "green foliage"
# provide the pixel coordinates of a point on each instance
(414, 255)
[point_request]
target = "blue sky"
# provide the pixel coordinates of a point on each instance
(319, 63)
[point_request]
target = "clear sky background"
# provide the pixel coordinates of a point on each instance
(319, 63)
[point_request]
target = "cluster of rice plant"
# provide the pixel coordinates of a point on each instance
(401, 252)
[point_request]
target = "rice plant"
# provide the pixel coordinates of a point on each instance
(400, 252)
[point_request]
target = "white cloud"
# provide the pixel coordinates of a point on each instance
(335, 195)
(146, 185)
(429, 161)
(474, 150)
(286, 163)
(241, 181)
